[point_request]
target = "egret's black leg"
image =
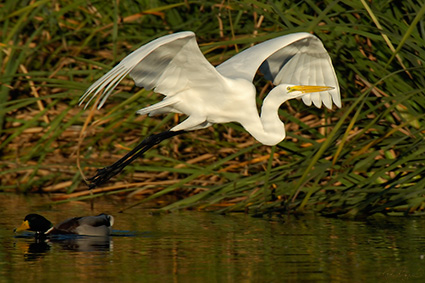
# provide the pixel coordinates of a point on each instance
(104, 174)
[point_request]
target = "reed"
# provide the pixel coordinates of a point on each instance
(363, 159)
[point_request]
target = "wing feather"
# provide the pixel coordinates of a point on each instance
(168, 65)
(174, 63)
(289, 59)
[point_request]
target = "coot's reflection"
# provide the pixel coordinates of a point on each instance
(84, 243)
(40, 246)
(36, 250)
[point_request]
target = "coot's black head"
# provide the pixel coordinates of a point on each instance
(35, 222)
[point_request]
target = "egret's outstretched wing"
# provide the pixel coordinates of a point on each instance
(168, 65)
(298, 59)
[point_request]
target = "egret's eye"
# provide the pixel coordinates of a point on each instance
(290, 89)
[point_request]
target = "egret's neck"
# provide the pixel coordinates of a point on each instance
(269, 129)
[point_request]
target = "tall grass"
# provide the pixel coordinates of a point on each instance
(365, 158)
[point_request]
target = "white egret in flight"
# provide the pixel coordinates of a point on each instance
(173, 65)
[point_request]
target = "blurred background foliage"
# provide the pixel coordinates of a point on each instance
(364, 159)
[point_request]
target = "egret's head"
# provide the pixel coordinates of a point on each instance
(300, 90)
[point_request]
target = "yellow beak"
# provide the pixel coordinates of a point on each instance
(309, 88)
(24, 226)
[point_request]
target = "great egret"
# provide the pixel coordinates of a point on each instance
(174, 66)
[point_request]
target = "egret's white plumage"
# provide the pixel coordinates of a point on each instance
(174, 66)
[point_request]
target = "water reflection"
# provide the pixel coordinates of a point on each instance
(205, 247)
(40, 246)
(36, 250)
(86, 244)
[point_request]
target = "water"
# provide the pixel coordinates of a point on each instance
(204, 247)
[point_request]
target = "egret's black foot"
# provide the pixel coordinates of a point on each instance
(103, 175)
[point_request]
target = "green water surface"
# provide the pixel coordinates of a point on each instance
(205, 247)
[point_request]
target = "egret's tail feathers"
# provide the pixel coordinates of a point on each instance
(165, 106)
